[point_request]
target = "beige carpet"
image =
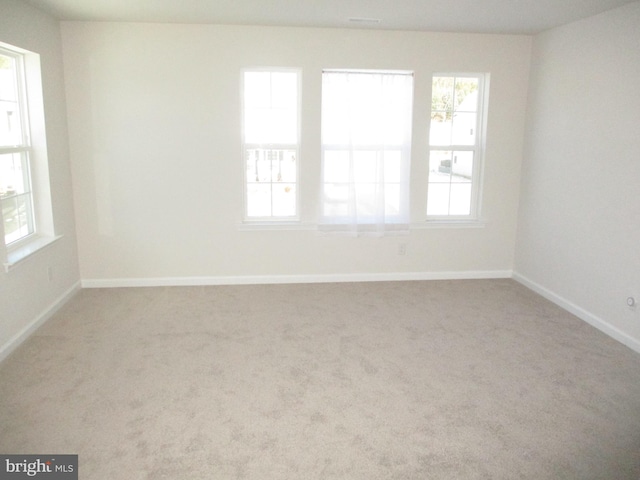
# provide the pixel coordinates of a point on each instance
(395, 380)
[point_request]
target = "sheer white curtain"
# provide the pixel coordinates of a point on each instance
(366, 151)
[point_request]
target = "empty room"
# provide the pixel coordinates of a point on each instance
(330, 239)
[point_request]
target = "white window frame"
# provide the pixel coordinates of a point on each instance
(478, 150)
(34, 146)
(271, 219)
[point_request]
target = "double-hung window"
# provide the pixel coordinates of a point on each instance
(15, 151)
(456, 146)
(270, 144)
(366, 150)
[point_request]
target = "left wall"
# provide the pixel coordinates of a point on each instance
(35, 288)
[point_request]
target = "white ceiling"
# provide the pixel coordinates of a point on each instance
(481, 16)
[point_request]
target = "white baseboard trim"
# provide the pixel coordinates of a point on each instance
(46, 314)
(279, 279)
(580, 312)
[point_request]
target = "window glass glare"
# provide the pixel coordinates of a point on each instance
(438, 199)
(15, 197)
(259, 200)
(366, 137)
(270, 107)
(10, 122)
(460, 201)
(336, 199)
(270, 126)
(14, 174)
(336, 166)
(284, 199)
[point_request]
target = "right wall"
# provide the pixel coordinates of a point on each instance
(578, 239)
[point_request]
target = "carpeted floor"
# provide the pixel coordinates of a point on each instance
(392, 380)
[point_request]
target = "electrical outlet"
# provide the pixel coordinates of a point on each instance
(402, 249)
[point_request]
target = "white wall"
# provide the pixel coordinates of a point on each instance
(27, 295)
(154, 119)
(579, 230)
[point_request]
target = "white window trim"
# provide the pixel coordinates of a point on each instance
(474, 219)
(254, 222)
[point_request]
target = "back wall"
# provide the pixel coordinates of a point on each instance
(154, 121)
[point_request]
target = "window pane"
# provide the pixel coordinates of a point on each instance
(438, 199)
(336, 166)
(257, 90)
(282, 126)
(270, 107)
(284, 199)
(365, 166)
(14, 174)
(258, 200)
(442, 93)
(271, 165)
(17, 217)
(454, 106)
(466, 95)
(258, 165)
(284, 167)
(254, 121)
(462, 167)
(365, 199)
(284, 90)
(336, 200)
(463, 129)
(10, 217)
(335, 113)
(392, 199)
(440, 162)
(393, 166)
(10, 123)
(449, 188)
(460, 202)
(440, 131)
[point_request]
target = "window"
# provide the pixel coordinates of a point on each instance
(366, 149)
(15, 150)
(270, 139)
(456, 142)
(25, 193)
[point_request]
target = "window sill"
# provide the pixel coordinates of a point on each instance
(448, 224)
(426, 225)
(17, 255)
(265, 226)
